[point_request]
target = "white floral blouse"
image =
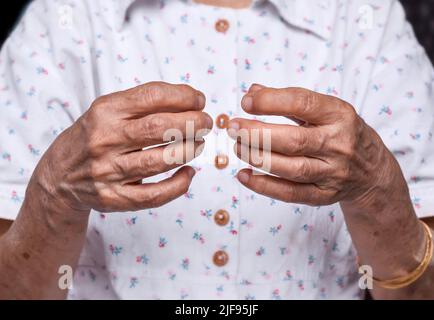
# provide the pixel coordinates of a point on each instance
(64, 54)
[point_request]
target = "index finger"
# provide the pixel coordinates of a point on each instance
(156, 97)
(300, 103)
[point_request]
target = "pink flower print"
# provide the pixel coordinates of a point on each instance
(189, 195)
(206, 213)
(325, 242)
(300, 285)
(132, 221)
(283, 251)
(244, 87)
(211, 70)
(180, 220)
(102, 216)
(42, 71)
(225, 275)
(275, 230)
(143, 259)
(7, 156)
(415, 179)
(249, 40)
(377, 87)
(235, 202)
(247, 64)
(307, 227)
(191, 43)
(152, 214)
(246, 223)
(15, 197)
(133, 282)
(339, 68)
(115, 250)
(162, 242)
(276, 294)
(332, 216)
(409, 95)
(24, 115)
(340, 281)
(384, 60)
(61, 66)
(301, 69)
(288, 275)
(297, 210)
(323, 67)
(245, 282)
(185, 264)
(260, 252)
(416, 136)
(172, 275)
(92, 275)
(78, 41)
(186, 78)
(335, 247)
(31, 92)
(216, 189)
(332, 91)
(385, 110)
(311, 260)
(199, 237)
(121, 58)
(184, 294)
(232, 229)
(266, 275)
(302, 55)
(33, 151)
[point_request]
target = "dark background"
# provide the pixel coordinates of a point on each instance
(420, 13)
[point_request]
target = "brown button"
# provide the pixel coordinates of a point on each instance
(222, 121)
(222, 25)
(221, 161)
(220, 258)
(221, 217)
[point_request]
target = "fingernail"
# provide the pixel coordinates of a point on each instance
(247, 103)
(201, 101)
(233, 129)
(209, 122)
(256, 87)
(243, 177)
(191, 172)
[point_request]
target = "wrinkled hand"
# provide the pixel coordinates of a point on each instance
(331, 156)
(99, 162)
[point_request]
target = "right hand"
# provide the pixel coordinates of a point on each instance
(99, 162)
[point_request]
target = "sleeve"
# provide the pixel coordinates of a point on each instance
(399, 105)
(38, 97)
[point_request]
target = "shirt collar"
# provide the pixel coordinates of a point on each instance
(315, 16)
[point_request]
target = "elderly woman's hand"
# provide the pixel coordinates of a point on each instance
(333, 156)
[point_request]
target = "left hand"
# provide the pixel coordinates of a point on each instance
(332, 156)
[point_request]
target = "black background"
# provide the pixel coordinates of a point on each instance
(420, 13)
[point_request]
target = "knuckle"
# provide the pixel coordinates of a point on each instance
(155, 125)
(154, 93)
(306, 100)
